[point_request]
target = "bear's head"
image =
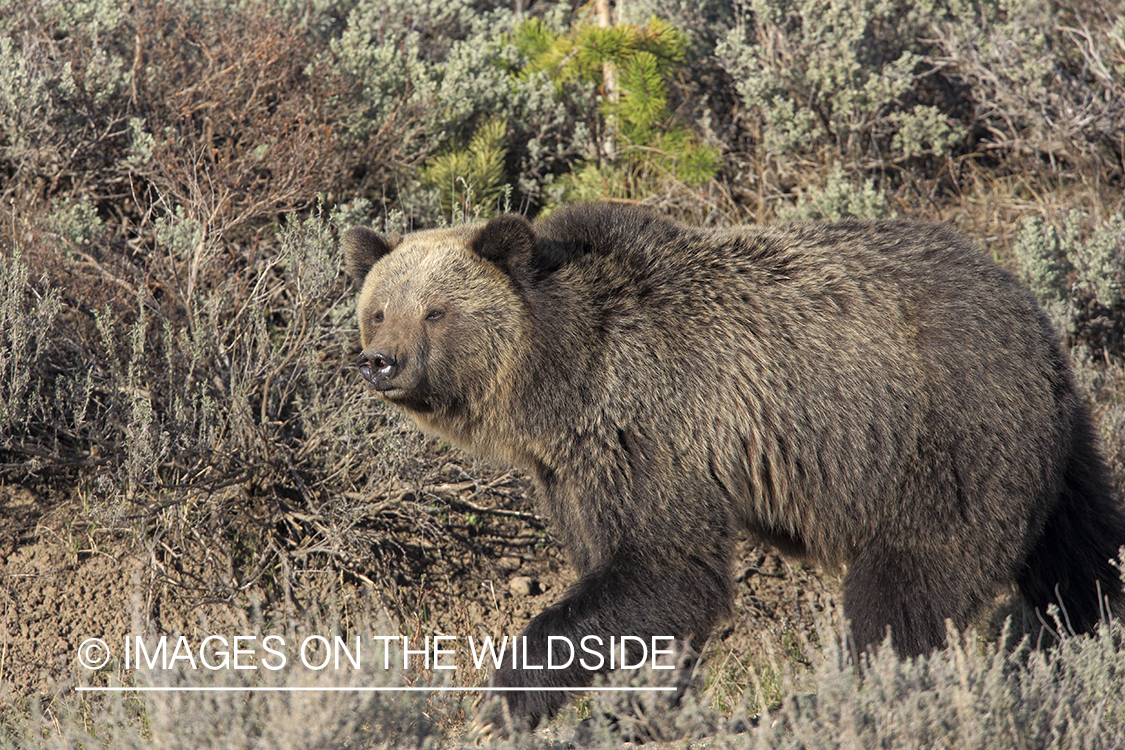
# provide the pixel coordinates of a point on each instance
(441, 312)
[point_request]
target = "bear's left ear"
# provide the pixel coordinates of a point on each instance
(362, 248)
(508, 241)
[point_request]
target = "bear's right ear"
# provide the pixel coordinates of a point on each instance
(362, 247)
(508, 241)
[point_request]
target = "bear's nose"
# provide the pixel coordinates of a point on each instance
(378, 368)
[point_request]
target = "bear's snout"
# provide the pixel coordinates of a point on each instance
(379, 369)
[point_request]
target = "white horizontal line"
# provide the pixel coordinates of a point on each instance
(361, 689)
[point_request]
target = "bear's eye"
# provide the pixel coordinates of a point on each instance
(435, 314)
(379, 316)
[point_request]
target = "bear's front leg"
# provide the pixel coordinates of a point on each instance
(635, 594)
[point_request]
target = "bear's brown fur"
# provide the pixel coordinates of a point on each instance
(872, 395)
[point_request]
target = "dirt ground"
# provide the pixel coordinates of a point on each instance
(64, 580)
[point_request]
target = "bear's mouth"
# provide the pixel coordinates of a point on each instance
(388, 392)
(407, 399)
(393, 392)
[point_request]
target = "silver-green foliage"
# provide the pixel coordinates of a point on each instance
(839, 75)
(879, 83)
(432, 62)
(839, 198)
(702, 20)
(1078, 273)
(969, 695)
(60, 105)
(27, 313)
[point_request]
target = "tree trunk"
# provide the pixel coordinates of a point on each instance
(609, 86)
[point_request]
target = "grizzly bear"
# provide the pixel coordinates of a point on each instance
(877, 397)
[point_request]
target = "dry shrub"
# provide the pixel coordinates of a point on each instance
(232, 111)
(1045, 95)
(234, 125)
(921, 98)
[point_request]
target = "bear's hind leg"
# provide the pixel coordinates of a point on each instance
(1073, 563)
(912, 594)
